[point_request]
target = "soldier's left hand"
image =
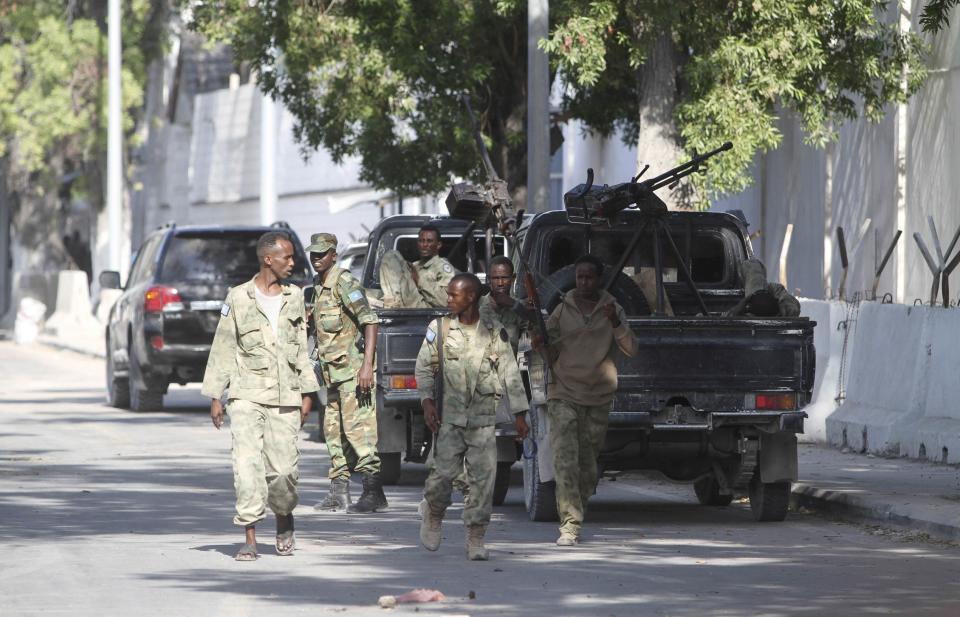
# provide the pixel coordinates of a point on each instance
(305, 406)
(365, 377)
(523, 429)
(610, 312)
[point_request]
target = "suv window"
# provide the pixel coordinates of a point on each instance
(146, 257)
(229, 257)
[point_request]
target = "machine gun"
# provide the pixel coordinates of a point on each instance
(587, 204)
(486, 205)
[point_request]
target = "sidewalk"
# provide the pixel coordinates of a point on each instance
(897, 492)
(87, 343)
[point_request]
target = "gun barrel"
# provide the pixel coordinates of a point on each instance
(681, 171)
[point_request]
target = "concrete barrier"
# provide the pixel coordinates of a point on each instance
(73, 315)
(108, 297)
(828, 339)
(902, 388)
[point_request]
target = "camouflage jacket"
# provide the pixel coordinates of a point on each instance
(433, 278)
(257, 364)
(340, 311)
(512, 322)
(476, 373)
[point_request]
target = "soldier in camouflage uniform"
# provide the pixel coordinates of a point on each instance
(340, 310)
(260, 353)
(476, 368)
(584, 330)
(419, 285)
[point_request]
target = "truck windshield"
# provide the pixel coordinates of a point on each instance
(217, 257)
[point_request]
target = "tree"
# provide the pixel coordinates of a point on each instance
(380, 78)
(53, 112)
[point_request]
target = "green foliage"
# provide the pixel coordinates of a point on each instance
(381, 79)
(53, 95)
(936, 15)
(743, 62)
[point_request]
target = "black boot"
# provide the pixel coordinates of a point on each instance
(372, 499)
(339, 497)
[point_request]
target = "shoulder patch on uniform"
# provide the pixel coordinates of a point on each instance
(355, 296)
(503, 335)
(447, 268)
(431, 335)
(225, 310)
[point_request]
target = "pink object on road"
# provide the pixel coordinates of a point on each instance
(412, 597)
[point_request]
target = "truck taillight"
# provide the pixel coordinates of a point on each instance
(403, 382)
(776, 401)
(159, 298)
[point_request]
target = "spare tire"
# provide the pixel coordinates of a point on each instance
(628, 294)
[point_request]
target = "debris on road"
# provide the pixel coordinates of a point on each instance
(411, 597)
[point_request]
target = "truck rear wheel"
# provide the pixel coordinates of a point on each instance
(502, 483)
(769, 501)
(540, 498)
(142, 400)
(390, 467)
(708, 492)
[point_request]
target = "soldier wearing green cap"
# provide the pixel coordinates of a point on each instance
(346, 346)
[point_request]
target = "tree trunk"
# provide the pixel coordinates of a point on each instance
(658, 144)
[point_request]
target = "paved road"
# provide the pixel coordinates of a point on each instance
(107, 512)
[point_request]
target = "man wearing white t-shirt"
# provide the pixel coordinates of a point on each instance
(260, 354)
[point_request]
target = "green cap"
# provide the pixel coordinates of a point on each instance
(321, 243)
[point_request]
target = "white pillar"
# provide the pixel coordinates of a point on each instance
(115, 142)
(268, 160)
(538, 108)
(903, 136)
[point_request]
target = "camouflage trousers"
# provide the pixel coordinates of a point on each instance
(459, 449)
(576, 436)
(399, 288)
(265, 458)
(350, 430)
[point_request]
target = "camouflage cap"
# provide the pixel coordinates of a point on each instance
(321, 243)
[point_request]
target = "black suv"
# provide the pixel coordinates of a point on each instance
(161, 328)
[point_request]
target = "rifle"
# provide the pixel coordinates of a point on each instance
(534, 296)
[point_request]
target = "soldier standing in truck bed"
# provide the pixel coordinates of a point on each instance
(419, 285)
(346, 347)
(584, 331)
(471, 358)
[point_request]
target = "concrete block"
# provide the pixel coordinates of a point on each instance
(828, 340)
(73, 315)
(108, 297)
(886, 365)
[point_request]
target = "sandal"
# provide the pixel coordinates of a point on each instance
(247, 552)
(286, 541)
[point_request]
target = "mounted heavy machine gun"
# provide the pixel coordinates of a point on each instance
(588, 204)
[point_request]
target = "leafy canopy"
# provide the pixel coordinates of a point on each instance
(380, 78)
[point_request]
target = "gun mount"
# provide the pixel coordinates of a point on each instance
(587, 204)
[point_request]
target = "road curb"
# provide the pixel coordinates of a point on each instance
(66, 346)
(863, 508)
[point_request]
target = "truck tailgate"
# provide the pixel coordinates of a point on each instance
(401, 334)
(676, 356)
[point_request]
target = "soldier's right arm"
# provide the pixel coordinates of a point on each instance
(222, 362)
(428, 363)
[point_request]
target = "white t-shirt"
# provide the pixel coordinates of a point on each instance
(270, 305)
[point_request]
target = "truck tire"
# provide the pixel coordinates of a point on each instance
(708, 492)
(502, 483)
(769, 501)
(540, 498)
(390, 467)
(118, 388)
(627, 293)
(141, 400)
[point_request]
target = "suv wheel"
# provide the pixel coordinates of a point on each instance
(118, 388)
(769, 501)
(142, 400)
(708, 492)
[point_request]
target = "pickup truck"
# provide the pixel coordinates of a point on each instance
(402, 430)
(708, 399)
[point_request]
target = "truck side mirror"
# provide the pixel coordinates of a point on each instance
(109, 279)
